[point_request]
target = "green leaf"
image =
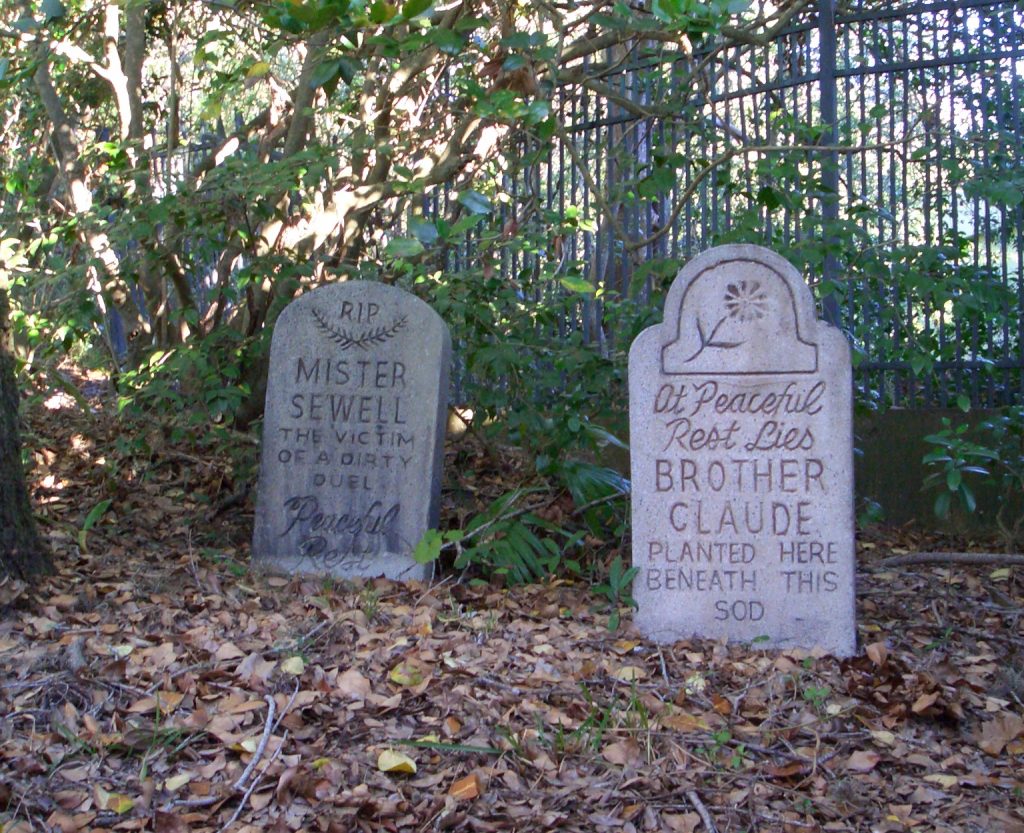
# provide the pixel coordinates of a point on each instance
(575, 284)
(5, 64)
(968, 497)
(415, 7)
(429, 547)
(382, 12)
(52, 9)
(963, 402)
(538, 110)
(769, 197)
(325, 73)
(475, 202)
(447, 41)
(97, 512)
(953, 479)
(404, 247)
(424, 231)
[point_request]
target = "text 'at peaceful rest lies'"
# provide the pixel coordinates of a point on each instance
(740, 477)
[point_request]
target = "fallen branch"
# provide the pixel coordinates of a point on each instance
(267, 729)
(252, 787)
(702, 811)
(952, 558)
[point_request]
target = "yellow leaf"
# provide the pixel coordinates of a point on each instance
(1001, 574)
(294, 666)
(406, 674)
(176, 782)
(121, 651)
(249, 745)
(883, 738)
(391, 761)
(944, 781)
(258, 70)
(320, 763)
(114, 802)
(630, 673)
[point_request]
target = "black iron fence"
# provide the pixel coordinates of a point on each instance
(877, 144)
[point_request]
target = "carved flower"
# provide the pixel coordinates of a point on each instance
(746, 300)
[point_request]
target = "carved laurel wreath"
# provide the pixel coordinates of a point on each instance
(344, 339)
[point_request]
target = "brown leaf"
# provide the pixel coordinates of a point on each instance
(877, 652)
(353, 685)
(924, 702)
(466, 789)
(622, 752)
(170, 823)
(996, 734)
(680, 822)
(863, 760)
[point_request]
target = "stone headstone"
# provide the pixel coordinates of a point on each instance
(353, 433)
(740, 409)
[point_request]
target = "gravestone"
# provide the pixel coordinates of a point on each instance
(353, 433)
(740, 408)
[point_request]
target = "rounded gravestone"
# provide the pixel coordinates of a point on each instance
(353, 433)
(741, 445)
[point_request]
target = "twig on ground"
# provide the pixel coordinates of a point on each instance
(702, 811)
(952, 558)
(252, 786)
(664, 669)
(267, 729)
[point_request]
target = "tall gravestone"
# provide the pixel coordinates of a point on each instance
(353, 433)
(741, 442)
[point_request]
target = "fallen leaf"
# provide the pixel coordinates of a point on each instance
(630, 673)
(176, 782)
(996, 734)
(165, 701)
(114, 802)
(353, 685)
(942, 779)
(683, 722)
(877, 652)
(680, 822)
(924, 702)
(406, 675)
(391, 761)
(622, 752)
(863, 761)
(466, 789)
(294, 666)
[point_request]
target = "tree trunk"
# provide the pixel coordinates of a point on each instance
(22, 552)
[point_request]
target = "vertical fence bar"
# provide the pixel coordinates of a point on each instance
(829, 158)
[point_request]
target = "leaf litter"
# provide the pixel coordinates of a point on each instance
(155, 684)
